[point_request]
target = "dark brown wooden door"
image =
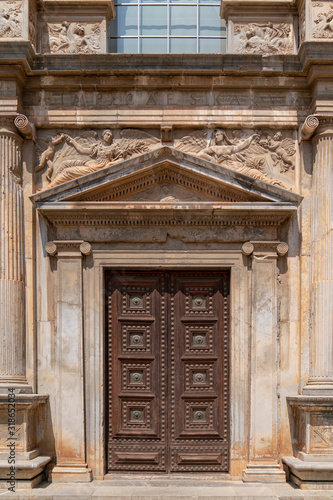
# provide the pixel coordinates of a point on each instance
(167, 382)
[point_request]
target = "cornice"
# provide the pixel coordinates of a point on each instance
(311, 55)
(162, 214)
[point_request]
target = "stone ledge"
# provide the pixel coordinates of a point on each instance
(310, 475)
(130, 488)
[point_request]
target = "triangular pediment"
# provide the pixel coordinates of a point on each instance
(166, 176)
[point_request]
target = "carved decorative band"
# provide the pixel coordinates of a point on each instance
(309, 126)
(269, 247)
(53, 247)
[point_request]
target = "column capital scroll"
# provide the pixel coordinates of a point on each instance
(68, 248)
(26, 128)
(267, 248)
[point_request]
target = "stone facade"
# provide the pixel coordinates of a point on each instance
(174, 162)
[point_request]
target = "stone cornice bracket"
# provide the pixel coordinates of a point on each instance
(25, 128)
(265, 247)
(309, 127)
(166, 133)
(68, 248)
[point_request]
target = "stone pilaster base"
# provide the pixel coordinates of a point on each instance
(311, 419)
(309, 475)
(263, 473)
(27, 473)
(65, 474)
(21, 421)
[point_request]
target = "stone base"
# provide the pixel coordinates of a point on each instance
(262, 473)
(27, 473)
(63, 474)
(310, 475)
(19, 388)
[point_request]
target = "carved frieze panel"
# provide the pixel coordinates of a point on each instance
(263, 38)
(11, 19)
(223, 98)
(71, 38)
(322, 20)
(263, 155)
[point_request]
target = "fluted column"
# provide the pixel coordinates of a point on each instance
(12, 311)
(321, 348)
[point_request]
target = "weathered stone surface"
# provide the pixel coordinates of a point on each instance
(168, 162)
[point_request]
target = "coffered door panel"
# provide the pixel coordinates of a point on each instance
(167, 344)
(199, 325)
(137, 371)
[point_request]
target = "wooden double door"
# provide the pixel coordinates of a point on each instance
(168, 371)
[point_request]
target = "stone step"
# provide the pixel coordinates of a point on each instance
(164, 489)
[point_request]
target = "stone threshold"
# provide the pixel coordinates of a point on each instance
(168, 489)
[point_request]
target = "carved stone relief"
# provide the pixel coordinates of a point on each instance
(263, 155)
(257, 155)
(11, 19)
(87, 153)
(263, 38)
(322, 431)
(323, 20)
(71, 38)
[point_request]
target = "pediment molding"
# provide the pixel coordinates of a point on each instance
(214, 183)
(165, 214)
(193, 187)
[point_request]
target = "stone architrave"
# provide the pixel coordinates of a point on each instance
(263, 451)
(12, 311)
(321, 351)
(70, 422)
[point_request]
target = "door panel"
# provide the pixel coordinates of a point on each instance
(167, 344)
(137, 369)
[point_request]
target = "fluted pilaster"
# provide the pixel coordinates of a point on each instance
(321, 352)
(12, 313)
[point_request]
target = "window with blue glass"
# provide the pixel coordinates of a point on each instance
(167, 27)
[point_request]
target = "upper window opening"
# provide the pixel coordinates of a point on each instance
(167, 27)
